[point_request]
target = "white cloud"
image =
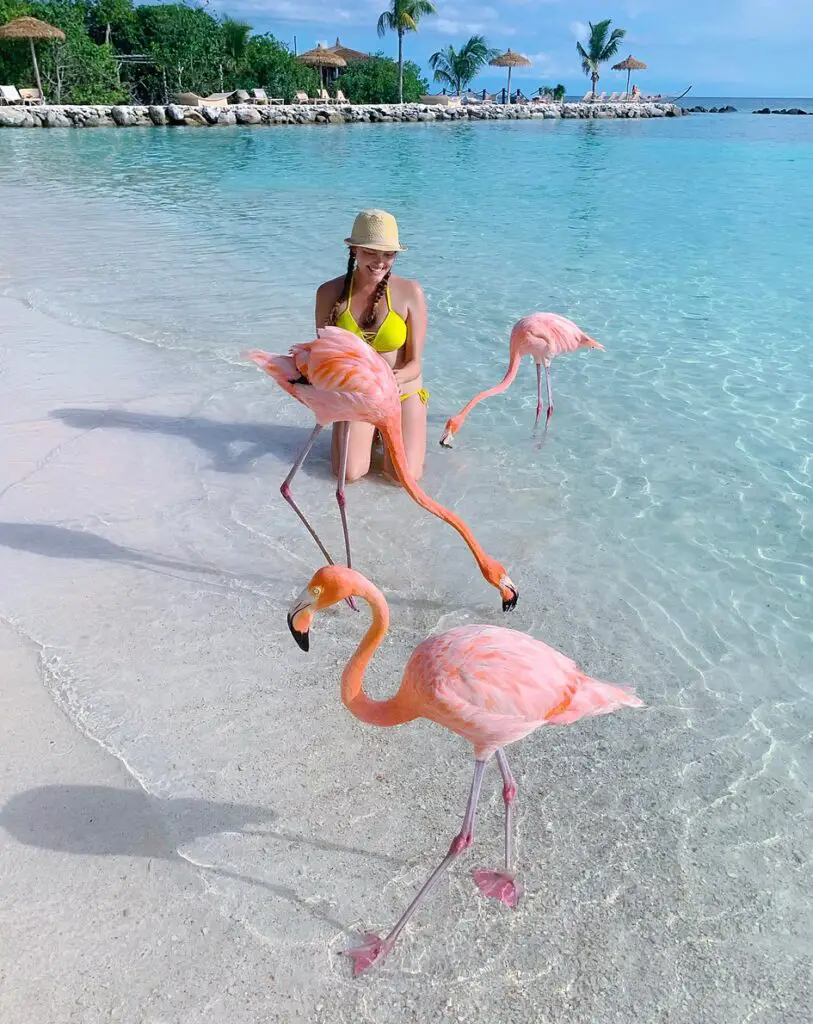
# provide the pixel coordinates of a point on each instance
(579, 29)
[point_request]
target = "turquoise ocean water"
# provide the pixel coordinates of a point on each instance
(661, 533)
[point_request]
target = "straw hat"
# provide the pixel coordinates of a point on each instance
(375, 229)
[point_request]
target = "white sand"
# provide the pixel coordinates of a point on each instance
(228, 825)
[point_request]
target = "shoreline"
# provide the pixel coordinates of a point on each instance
(125, 116)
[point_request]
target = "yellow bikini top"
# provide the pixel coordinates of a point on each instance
(391, 335)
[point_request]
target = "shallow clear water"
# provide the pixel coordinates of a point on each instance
(661, 533)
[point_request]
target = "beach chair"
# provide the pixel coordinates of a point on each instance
(32, 97)
(587, 98)
(302, 97)
(323, 97)
(613, 98)
(623, 98)
(602, 98)
(341, 98)
(259, 97)
(9, 95)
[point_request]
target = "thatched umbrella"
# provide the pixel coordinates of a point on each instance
(629, 65)
(31, 29)
(321, 58)
(347, 53)
(510, 60)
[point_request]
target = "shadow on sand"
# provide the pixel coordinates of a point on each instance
(104, 821)
(233, 447)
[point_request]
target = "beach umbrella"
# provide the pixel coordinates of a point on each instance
(320, 57)
(510, 60)
(31, 29)
(629, 65)
(347, 53)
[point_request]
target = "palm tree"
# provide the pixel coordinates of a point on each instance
(559, 93)
(403, 16)
(600, 48)
(235, 38)
(458, 68)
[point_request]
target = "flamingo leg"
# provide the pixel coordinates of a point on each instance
(285, 489)
(501, 885)
(538, 394)
(340, 498)
(550, 392)
(373, 948)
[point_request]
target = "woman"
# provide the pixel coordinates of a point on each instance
(389, 313)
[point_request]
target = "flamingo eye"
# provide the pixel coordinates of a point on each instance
(316, 591)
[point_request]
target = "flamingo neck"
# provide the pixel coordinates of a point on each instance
(393, 439)
(513, 368)
(374, 712)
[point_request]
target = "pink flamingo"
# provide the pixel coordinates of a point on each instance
(490, 685)
(341, 379)
(540, 336)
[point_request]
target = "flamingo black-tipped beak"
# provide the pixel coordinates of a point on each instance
(446, 439)
(302, 639)
(510, 603)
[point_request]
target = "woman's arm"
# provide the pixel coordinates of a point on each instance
(417, 319)
(325, 297)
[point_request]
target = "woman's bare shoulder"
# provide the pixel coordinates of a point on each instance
(330, 290)
(406, 288)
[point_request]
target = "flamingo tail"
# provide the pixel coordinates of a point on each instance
(593, 697)
(282, 368)
(456, 422)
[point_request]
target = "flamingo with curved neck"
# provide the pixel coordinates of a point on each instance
(540, 336)
(341, 379)
(490, 685)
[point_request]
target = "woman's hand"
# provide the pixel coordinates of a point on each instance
(406, 374)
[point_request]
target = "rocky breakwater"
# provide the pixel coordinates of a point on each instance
(202, 117)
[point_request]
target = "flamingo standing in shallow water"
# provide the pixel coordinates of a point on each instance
(341, 379)
(490, 685)
(540, 336)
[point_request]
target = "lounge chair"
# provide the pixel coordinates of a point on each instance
(440, 100)
(32, 97)
(587, 98)
(323, 96)
(623, 98)
(9, 95)
(260, 96)
(341, 98)
(302, 97)
(613, 98)
(602, 98)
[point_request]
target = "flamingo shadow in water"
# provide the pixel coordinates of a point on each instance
(95, 821)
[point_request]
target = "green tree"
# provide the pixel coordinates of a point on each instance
(186, 46)
(236, 35)
(601, 46)
(112, 21)
(402, 17)
(377, 80)
(556, 93)
(458, 68)
(269, 64)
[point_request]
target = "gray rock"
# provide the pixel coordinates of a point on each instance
(193, 118)
(123, 116)
(158, 115)
(175, 114)
(247, 115)
(91, 121)
(764, 110)
(226, 117)
(54, 119)
(427, 115)
(15, 117)
(210, 114)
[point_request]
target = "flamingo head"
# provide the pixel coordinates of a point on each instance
(328, 586)
(452, 426)
(498, 577)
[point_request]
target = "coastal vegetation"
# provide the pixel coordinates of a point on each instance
(602, 45)
(459, 68)
(403, 16)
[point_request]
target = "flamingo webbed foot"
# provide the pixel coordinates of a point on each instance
(372, 949)
(499, 885)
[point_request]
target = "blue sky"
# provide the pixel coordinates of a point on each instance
(720, 47)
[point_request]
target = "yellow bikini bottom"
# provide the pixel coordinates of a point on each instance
(422, 393)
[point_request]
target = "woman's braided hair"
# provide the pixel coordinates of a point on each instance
(369, 317)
